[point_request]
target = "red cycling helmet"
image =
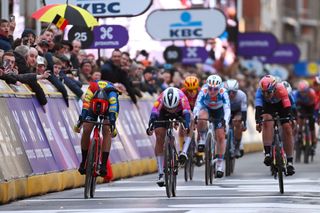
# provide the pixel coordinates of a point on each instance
(99, 102)
(303, 86)
(268, 83)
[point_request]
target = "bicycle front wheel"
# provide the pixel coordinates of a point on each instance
(192, 154)
(89, 170)
(280, 168)
(168, 166)
(228, 156)
(208, 158)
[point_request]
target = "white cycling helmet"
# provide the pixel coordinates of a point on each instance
(231, 85)
(171, 97)
(214, 81)
(287, 86)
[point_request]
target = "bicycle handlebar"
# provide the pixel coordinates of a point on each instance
(97, 122)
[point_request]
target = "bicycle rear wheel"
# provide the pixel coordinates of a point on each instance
(94, 179)
(89, 170)
(298, 150)
(168, 167)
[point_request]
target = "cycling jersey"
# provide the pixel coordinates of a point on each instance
(191, 99)
(280, 95)
(112, 97)
(308, 99)
(206, 101)
(239, 102)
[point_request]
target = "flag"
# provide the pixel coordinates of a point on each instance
(60, 22)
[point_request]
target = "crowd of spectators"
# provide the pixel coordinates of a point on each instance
(63, 63)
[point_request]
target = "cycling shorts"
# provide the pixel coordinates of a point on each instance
(218, 116)
(272, 108)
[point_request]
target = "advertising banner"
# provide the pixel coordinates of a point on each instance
(284, 54)
(70, 117)
(32, 135)
(14, 159)
(186, 24)
(109, 8)
(109, 36)
(256, 44)
(57, 136)
(194, 55)
(134, 138)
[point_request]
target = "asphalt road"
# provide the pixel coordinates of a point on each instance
(250, 189)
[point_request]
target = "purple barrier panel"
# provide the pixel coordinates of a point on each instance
(70, 117)
(144, 109)
(132, 132)
(117, 152)
(59, 144)
(15, 163)
(32, 135)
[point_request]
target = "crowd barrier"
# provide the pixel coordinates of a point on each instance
(40, 153)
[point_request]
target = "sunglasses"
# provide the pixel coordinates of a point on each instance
(213, 89)
(232, 92)
(268, 92)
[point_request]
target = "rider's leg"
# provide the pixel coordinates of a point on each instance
(267, 137)
(237, 123)
(288, 146)
(202, 129)
(160, 135)
(181, 137)
(106, 146)
(313, 134)
(221, 147)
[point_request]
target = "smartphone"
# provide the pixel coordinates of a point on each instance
(5, 64)
(12, 18)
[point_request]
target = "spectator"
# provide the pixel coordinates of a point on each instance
(21, 53)
(53, 79)
(32, 58)
(28, 78)
(76, 47)
(96, 75)
(81, 56)
(85, 71)
(6, 32)
(149, 82)
(28, 37)
(111, 71)
(68, 79)
(42, 47)
(8, 63)
(167, 79)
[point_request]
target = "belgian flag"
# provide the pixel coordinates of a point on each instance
(60, 22)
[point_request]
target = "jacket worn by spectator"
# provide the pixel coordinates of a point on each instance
(115, 74)
(74, 85)
(21, 63)
(31, 80)
(6, 43)
(60, 87)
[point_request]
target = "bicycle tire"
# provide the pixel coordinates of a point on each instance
(192, 154)
(298, 150)
(89, 169)
(307, 148)
(186, 170)
(94, 179)
(208, 159)
(212, 167)
(280, 168)
(167, 167)
(174, 171)
(228, 154)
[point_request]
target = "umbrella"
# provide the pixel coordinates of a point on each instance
(75, 15)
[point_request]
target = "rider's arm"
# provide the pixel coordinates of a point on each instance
(86, 102)
(226, 107)
(186, 110)
(244, 106)
(259, 105)
(155, 110)
(199, 103)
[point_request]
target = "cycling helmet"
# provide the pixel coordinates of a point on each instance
(303, 86)
(287, 86)
(99, 103)
(316, 80)
(171, 97)
(268, 83)
(231, 85)
(214, 81)
(191, 83)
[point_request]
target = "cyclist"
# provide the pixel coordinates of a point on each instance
(316, 87)
(238, 103)
(213, 101)
(306, 99)
(171, 103)
(272, 97)
(104, 96)
(191, 90)
(291, 97)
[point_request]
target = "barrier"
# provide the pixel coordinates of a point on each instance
(41, 152)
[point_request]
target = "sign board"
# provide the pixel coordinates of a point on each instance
(284, 54)
(256, 44)
(185, 24)
(109, 8)
(194, 55)
(172, 54)
(109, 36)
(83, 34)
(307, 69)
